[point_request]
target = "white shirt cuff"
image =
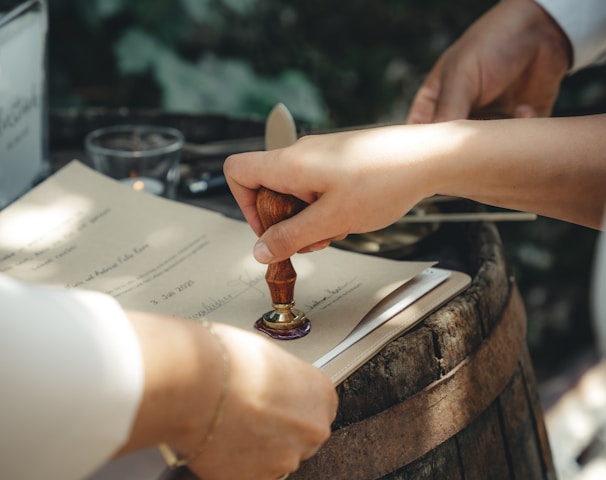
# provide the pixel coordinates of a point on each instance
(584, 22)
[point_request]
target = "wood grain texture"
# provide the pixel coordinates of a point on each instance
(274, 207)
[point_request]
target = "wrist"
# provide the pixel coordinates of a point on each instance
(193, 441)
(183, 378)
(199, 412)
(445, 156)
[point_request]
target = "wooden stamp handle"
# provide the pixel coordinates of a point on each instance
(274, 207)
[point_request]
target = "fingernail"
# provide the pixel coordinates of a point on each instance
(262, 253)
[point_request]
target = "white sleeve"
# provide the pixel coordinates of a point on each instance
(71, 378)
(584, 21)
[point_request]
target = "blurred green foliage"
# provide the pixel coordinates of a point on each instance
(165, 54)
(552, 263)
(334, 63)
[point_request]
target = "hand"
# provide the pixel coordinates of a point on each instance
(278, 412)
(511, 61)
(360, 181)
(354, 182)
(278, 409)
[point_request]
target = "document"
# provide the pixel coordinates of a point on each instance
(80, 229)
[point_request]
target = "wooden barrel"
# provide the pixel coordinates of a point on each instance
(455, 398)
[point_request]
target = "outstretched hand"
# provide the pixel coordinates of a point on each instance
(510, 61)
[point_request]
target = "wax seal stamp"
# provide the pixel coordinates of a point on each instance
(284, 322)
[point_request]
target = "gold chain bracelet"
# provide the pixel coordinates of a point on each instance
(171, 457)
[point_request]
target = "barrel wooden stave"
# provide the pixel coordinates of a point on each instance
(519, 429)
(501, 444)
(537, 436)
(441, 463)
(392, 379)
(482, 448)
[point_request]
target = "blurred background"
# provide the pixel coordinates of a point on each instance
(335, 64)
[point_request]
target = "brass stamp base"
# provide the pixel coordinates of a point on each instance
(284, 322)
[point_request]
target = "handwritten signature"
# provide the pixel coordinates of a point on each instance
(243, 284)
(333, 295)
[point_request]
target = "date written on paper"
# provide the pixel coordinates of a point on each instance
(172, 292)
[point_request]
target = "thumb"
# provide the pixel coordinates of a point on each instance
(306, 231)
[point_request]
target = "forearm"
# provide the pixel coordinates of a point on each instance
(553, 167)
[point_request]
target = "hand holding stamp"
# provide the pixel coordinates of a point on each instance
(284, 322)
